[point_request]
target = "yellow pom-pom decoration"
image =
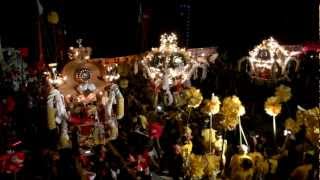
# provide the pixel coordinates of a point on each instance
(53, 17)
(311, 120)
(193, 97)
(272, 106)
(211, 106)
(213, 165)
(283, 93)
(313, 135)
(120, 107)
(197, 166)
(292, 125)
(231, 109)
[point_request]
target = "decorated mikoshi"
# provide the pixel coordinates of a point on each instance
(90, 93)
(269, 61)
(168, 65)
(89, 89)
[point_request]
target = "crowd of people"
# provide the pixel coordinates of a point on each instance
(152, 142)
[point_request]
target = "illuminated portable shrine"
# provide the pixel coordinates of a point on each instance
(270, 62)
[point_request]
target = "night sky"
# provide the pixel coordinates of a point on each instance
(112, 29)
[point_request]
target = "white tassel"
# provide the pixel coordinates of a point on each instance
(195, 74)
(170, 97)
(204, 72)
(301, 108)
(165, 84)
(136, 68)
(120, 107)
(110, 103)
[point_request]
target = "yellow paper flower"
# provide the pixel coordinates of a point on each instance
(213, 164)
(230, 122)
(193, 97)
(272, 106)
(212, 106)
(259, 163)
(311, 120)
(312, 117)
(283, 93)
(312, 134)
(291, 125)
(231, 110)
(197, 166)
(209, 137)
(53, 17)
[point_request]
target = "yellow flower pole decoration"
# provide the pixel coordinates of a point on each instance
(283, 93)
(193, 97)
(232, 109)
(272, 107)
(211, 107)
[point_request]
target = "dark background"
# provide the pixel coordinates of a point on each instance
(111, 27)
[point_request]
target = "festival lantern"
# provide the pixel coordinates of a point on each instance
(168, 65)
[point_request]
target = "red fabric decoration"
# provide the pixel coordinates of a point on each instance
(141, 161)
(154, 88)
(11, 104)
(75, 120)
(86, 130)
(24, 52)
(155, 130)
(12, 162)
